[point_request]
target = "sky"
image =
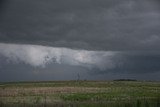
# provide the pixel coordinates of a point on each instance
(45, 40)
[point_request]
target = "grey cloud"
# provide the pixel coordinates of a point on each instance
(22, 72)
(40, 56)
(99, 61)
(36, 62)
(132, 63)
(105, 38)
(84, 24)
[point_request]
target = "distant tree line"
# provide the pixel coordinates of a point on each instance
(125, 80)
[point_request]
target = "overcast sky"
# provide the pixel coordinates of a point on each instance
(96, 39)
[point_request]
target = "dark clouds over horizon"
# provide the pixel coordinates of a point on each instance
(100, 39)
(82, 24)
(35, 62)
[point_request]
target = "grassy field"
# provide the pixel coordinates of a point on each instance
(80, 94)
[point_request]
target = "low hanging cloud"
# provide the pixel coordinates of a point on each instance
(98, 62)
(40, 56)
(116, 25)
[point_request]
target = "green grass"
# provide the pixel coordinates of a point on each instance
(80, 94)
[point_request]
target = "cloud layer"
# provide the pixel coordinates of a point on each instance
(40, 56)
(66, 37)
(98, 61)
(46, 63)
(86, 24)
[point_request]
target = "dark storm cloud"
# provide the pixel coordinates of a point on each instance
(40, 56)
(36, 62)
(83, 24)
(23, 72)
(110, 39)
(15, 66)
(141, 62)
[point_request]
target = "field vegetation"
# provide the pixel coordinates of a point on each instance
(80, 94)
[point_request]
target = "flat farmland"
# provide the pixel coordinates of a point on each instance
(80, 94)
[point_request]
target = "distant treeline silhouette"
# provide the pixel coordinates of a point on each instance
(125, 80)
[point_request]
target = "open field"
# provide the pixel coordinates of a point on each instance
(80, 94)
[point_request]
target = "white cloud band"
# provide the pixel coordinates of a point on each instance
(40, 56)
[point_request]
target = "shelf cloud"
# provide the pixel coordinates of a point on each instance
(57, 61)
(102, 61)
(98, 39)
(40, 56)
(109, 25)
